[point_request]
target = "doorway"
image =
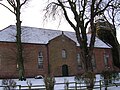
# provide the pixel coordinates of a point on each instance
(65, 70)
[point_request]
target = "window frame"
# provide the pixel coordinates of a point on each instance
(40, 60)
(64, 54)
(79, 63)
(93, 60)
(106, 59)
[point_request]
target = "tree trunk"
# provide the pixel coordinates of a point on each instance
(19, 43)
(91, 45)
(119, 53)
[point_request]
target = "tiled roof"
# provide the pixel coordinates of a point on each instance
(41, 36)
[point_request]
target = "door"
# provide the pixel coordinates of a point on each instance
(64, 70)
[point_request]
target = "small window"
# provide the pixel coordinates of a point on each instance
(64, 54)
(40, 60)
(79, 61)
(17, 66)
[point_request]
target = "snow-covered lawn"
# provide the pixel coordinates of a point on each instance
(39, 83)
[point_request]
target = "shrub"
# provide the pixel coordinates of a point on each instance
(9, 84)
(49, 82)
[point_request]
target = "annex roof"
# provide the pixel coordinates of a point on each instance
(41, 36)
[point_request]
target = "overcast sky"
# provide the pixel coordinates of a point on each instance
(32, 15)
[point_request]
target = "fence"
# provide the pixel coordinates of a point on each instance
(68, 85)
(98, 85)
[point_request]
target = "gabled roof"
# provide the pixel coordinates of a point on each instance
(41, 36)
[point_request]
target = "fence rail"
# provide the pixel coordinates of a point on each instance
(66, 86)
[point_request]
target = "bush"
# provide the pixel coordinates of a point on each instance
(88, 78)
(49, 82)
(9, 84)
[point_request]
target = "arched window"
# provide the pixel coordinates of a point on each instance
(64, 54)
(40, 60)
(17, 66)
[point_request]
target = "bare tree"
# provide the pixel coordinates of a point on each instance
(111, 16)
(83, 13)
(16, 7)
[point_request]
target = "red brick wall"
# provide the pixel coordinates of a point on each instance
(7, 60)
(99, 59)
(55, 53)
(31, 59)
(52, 52)
(8, 64)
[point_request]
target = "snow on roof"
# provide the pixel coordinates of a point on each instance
(41, 36)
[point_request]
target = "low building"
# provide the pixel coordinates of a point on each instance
(48, 51)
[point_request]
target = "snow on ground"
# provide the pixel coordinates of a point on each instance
(58, 81)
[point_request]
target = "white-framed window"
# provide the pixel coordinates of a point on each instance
(93, 61)
(40, 60)
(106, 58)
(64, 53)
(79, 61)
(0, 61)
(17, 66)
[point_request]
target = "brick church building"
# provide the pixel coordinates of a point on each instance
(48, 51)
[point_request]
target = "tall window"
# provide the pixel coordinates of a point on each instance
(106, 57)
(0, 61)
(79, 61)
(93, 61)
(40, 60)
(64, 54)
(17, 66)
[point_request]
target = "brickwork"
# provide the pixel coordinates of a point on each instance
(52, 58)
(99, 59)
(8, 64)
(55, 52)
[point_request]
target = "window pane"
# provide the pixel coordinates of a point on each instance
(93, 61)
(106, 59)
(64, 54)
(0, 60)
(40, 60)
(79, 61)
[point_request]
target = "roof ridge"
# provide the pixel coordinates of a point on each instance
(41, 35)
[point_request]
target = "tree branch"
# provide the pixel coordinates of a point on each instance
(99, 12)
(12, 3)
(66, 16)
(23, 3)
(98, 4)
(7, 8)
